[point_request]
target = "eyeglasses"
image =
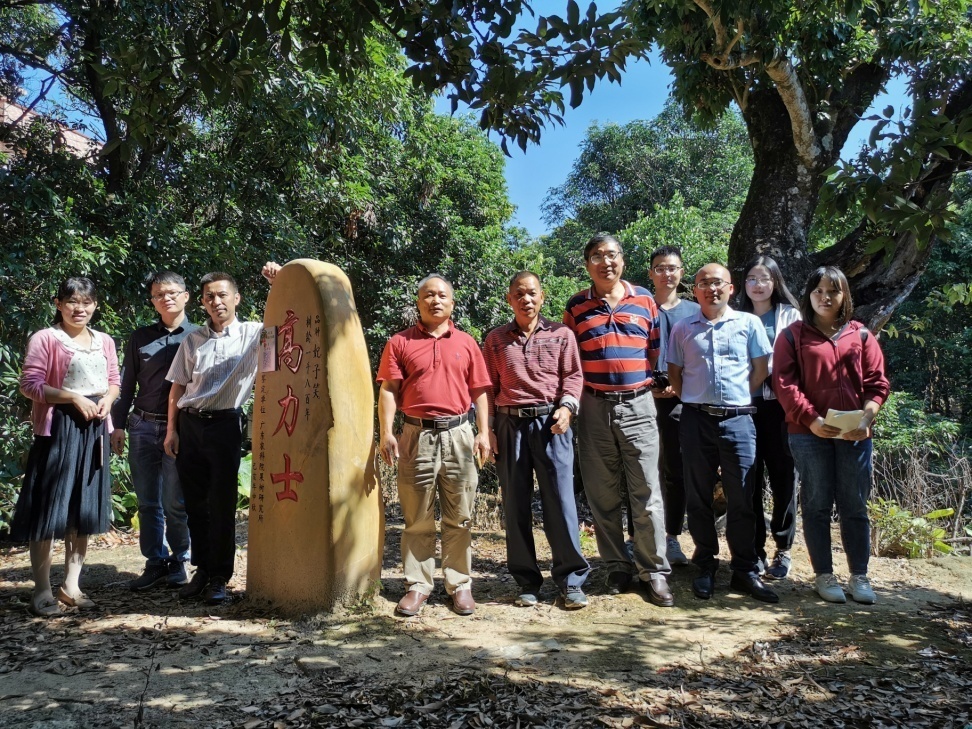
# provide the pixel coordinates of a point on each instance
(711, 283)
(598, 258)
(666, 270)
(167, 296)
(760, 281)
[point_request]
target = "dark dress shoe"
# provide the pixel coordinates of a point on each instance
(195, 587)
(215, 592)
(703, 586)
(752, 585)
(617, 582)
(411, 604)
(462, 602)
(658, 591)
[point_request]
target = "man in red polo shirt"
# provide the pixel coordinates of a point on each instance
(432, 372)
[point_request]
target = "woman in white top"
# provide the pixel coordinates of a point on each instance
(71, 375)
(765, 294)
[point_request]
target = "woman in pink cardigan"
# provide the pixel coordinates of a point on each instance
(71, 375)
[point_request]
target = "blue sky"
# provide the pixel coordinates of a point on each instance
(641, 95)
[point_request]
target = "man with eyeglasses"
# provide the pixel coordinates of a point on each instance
(616, 325)
(716, 360)
(163, 528)
(212, 377)
(666, 276)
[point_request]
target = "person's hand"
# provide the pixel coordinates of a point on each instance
(493, 445)
(661, 394)
(104, 407)
(171, 444)
(88, 409)
(117, 441)
(389, 449)
(561, 421)
(270, 270)
(481, 448)
(819, 428)
(861, 432)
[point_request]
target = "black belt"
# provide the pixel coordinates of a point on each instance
(526, 411)
(213, 413)
(618, 395)
(151, 417)
(438, 423)
(721, 411)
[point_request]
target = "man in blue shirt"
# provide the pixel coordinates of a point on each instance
(716, 359)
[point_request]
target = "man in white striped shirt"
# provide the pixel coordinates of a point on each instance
(212, 377)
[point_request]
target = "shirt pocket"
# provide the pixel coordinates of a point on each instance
(548, 354)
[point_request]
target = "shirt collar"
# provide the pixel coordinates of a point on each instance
(730, 315)
(514, 330)
(628, 291)
(232, 329)
(422, 328)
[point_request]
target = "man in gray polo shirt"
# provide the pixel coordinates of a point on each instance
(212, 377)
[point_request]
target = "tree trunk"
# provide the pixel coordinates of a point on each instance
(778, 211)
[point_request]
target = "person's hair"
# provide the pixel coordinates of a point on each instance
(439, 276)
(75, 286)
(520, 275)
(781, 294)
(165, 276)
(215, 276)
(837, 278)
(597, 240)
(662, 252)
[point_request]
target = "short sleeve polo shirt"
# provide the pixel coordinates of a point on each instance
(438, 374)
(619, 346)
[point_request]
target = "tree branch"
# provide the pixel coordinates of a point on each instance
(805, 140)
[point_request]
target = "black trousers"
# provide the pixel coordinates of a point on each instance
(670, 463)
(708, 444)
(209, 463)
(773, 459)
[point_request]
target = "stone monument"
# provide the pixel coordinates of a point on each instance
(316, 527)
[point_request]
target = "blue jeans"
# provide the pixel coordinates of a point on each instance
(159, 494)
(831, 471)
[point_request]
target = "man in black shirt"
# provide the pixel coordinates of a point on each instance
(163, 529)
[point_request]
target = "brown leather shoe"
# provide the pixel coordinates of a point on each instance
(462, 602)
(659, 593)
(411, 604)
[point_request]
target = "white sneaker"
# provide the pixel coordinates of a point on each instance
(828, 588)
(673, 550)
(860, 589)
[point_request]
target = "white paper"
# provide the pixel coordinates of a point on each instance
(846, 420)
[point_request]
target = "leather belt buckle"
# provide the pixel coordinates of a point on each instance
(442, 424)
(718, 410)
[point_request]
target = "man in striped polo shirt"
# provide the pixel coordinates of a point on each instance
(537, 381)
(617, 331)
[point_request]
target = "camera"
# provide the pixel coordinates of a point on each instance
(659, 380)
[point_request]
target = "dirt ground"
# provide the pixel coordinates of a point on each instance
(148, 660)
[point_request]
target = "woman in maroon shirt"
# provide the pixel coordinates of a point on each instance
(828, 362)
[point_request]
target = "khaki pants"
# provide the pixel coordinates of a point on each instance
(443, 461)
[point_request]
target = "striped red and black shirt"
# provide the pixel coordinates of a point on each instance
(543, 368)
(618, 347)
